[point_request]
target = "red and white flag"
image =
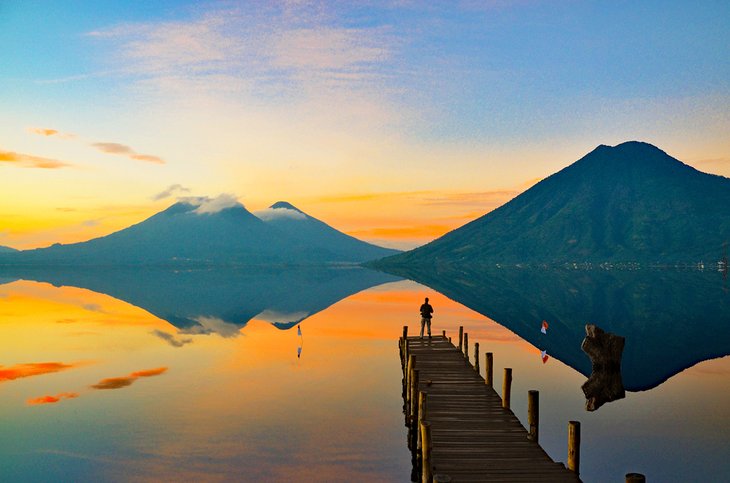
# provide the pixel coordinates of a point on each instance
(544, 356)
(544, 327)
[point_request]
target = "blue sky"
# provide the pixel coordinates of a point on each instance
(316, 101)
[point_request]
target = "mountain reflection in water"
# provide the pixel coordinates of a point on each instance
(219, 301)
(670, 319)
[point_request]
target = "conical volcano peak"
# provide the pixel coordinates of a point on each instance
(639, 158)
(626, 203)
(629, 150)
(285, 205)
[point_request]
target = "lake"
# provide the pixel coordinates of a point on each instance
(294, 375)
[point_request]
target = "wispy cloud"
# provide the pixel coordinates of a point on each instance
(420, 231)
(212, 325)
(30, 161)
(124, 381)
(93, 308)
(484, 198)
(713, 162)
(171, 339)
(46, 132)
(270, 51)
(124, 150)
(172, 190)
(90, 223)
(52, 399)
(223, 39)
(214, 205)
(105, 147)
(20, 371)
(280, 213)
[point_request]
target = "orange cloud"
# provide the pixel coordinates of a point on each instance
(29, 161)
(148, 157)
(31, 369)
(124, 150)
(481, 198)
(45, 132)
(52, 399)
(124, 381)
(424, 231)
(114, 383)
(149, 372)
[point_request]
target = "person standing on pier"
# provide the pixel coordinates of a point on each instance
(426, 311)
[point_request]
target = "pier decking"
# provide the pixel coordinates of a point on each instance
(459, 429)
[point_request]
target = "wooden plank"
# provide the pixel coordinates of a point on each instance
(473, 438)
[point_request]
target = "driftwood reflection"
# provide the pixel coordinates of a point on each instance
(605, 383)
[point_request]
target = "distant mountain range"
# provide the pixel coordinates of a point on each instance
(7, 249)
(627, 203)
(198, 232)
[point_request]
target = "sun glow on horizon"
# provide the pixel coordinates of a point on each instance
(390, 122)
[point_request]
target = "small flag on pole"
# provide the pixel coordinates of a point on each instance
(299, 330)
(544, 327)
(544, 356)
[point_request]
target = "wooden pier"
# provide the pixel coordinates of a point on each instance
(460, 429)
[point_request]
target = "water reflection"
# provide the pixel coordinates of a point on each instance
(246, 407)
(218, 301)
(94, 391)
(671, 319)
(605, 384)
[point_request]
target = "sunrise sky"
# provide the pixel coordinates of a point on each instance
(392, 121)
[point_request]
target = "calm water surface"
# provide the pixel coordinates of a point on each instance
(94, 388)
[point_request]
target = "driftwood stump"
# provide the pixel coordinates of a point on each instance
(605, 350)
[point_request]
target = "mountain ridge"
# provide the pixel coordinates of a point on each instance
(203, 231)
(627, 203)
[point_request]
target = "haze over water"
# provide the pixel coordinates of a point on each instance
(141, 399)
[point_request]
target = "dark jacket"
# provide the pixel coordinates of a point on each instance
(426, 311)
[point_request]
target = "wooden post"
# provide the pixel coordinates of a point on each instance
(461, 337)
(414, 434)
(422, 401)
(466, 346)
(407, 386)
(476, 357)
(635, 478)
(506, 387)
(414, 398)
(489, 369)
(443, 332)
(533, 414)
(574, 447)
(426, 475)
(404, 342)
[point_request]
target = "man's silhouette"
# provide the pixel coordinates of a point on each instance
(426, 311)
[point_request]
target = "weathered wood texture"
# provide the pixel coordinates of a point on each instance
(473, 438)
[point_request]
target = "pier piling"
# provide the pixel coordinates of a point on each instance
(533, 414)
(574, 447)
(489, 369)
(507, 387)
(476, 357)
